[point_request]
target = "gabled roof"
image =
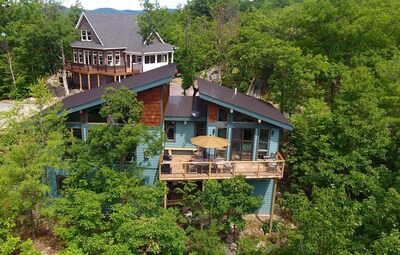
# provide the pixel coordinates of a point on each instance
(242, 103)
(119, 31)
(136, 83)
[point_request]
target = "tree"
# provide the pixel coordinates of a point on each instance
(30, 143)
(105, 208)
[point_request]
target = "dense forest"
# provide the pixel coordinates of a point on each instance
(332, 66)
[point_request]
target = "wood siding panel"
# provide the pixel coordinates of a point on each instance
(183, 134)
(150, 165)
(152, 106)
(263, 188)
(274, 140)
(212, 112)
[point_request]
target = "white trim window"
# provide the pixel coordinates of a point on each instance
(162, 58)
(109, 58)
(80, 56)
(75, 56)
(94, 58)
(100, 58)
(149, 59)
(86, 35)
(117, 58)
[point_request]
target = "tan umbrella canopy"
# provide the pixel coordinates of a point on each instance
(208, 141)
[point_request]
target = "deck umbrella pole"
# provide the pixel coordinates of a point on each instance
(271, 217)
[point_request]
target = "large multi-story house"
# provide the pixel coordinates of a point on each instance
(111, 48)
(253, 129)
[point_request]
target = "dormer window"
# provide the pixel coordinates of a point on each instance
(86, 35)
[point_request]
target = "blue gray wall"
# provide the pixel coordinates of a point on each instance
(265, 189)
(183, 134)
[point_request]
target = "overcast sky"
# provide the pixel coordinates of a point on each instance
(122, 4)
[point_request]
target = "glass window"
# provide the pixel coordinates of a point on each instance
(150, 59)
(222, 114)
(200, 128)
(100, 58)
(75, 56)
(161, 58)
(117, 58)
(74, 117)
(86, 35)
(60, 182)
(263, 141)
(94, 57)
(89, 35)
(83, 35)
(240, 117)
(80, 56)
(95, 117)
(110, 58)
(170, 130)
(77, 133)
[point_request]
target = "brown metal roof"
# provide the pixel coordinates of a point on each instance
(183, 106)
(135, 83)
(242, 103)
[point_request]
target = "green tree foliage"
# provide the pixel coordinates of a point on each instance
(30, 143)
(37, 34)
(105, 208)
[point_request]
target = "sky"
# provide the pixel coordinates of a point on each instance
(122, 4)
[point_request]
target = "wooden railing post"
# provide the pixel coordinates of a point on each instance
(184, 170)
(258, 170)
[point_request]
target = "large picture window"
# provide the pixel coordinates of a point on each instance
(170, 130)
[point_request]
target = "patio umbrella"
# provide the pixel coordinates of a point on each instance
(208, 141)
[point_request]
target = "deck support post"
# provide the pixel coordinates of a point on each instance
(115, 78)
(88, 81)
(165, 201)
(80, 81)
(271, 217)
(98, 80)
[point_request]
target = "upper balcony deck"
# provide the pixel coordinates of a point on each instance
(187, 167)
(104, 69)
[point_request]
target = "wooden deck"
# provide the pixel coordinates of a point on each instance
(105, 70)
(186, 167)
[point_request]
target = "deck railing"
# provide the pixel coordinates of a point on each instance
(221, 169)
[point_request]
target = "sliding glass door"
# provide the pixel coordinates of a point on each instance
(242, 144)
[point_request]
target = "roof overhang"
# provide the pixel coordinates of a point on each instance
(245, 111)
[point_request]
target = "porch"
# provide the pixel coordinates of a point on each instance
(185, 166)
(104, 69)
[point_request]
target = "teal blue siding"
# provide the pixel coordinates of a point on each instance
(183, 134)
(51, 179)
(265, 189)
(149, 165)
(274, 140)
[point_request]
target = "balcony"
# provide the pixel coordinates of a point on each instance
(187, 167)
(105, 70)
